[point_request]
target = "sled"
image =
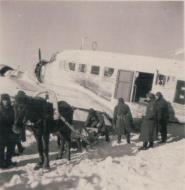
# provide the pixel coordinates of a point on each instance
(89, 135)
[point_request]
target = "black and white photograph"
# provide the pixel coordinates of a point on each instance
(92, 95)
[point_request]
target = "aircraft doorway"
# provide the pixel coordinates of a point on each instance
(143, 84)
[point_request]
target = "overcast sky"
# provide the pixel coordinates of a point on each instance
(143, 28)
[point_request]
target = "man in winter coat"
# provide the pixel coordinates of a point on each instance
(122, 120)
(7, 137)
(148, 127)
(96, 120)
(162, 116)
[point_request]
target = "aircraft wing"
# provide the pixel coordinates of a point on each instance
(12, 82)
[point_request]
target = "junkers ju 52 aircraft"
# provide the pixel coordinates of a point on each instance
(113, 75)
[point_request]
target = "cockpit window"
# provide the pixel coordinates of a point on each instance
(72, 66)
(108, 72)
(95, 70)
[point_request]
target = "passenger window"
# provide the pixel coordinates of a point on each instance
(95, 70)
(161, 80)
(82, 68)
(180, 92)
(72, 66)
(108, 71)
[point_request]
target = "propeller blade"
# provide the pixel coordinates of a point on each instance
(39, 55)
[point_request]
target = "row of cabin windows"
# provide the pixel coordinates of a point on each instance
(95, 70)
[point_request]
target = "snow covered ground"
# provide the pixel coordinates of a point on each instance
(105, 166)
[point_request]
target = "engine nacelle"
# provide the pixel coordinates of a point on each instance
(39, 70)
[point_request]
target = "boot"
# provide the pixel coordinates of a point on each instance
(128, 141)
(9, 153)
(40, 162)
(163, 140)
(128, 138)
(15, 154)
(2, 161)
(20, 148)
(119, 139)
(9, 163)
(151, 144)
(2, 164)
(144, 147)
(107, 139)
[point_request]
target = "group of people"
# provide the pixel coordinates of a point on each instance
(155, 120)
(8, 139)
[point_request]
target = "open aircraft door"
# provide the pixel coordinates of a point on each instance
(124, 84)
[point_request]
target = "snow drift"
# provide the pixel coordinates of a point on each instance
(106, 166)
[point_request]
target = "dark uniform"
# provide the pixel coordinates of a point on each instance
(162, 116)
(148, 127)
(122, 120)
(7, 137)
(96, 120)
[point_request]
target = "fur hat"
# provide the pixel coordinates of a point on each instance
(5, 97)
(121, 100)
(20, 97)
(91, 111)
(21, 93)
(151, 96)
(159, 94)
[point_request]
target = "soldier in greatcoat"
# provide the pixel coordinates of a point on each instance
(122, 120)
(7, 137)
(148, 126)
(162, 116)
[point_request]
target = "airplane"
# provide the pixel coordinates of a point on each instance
(112, 75)
(94, 79)
(103, 77)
